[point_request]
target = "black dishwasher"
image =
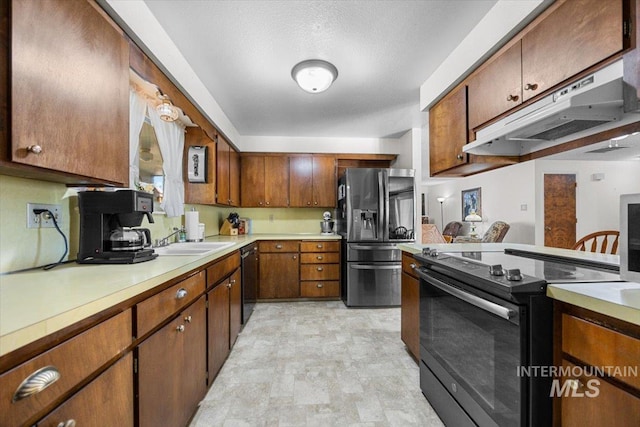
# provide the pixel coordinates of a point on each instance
(249, 255)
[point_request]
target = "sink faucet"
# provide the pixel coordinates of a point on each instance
(165, 240)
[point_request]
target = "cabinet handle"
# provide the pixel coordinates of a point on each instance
(267, 203)
(36, 382)
(35, 149)
(260, 203)
(319, 246)
(315, 203)
(228, 285)
(182, 292)
(68, 423)
(459, 157)
(319, 285)
(319, 257)
(319, 268)
(308, 203)
(295, 257)
(187, 319)
(513, 98)
(413, 266)
(180, 328)
(531, 86)
(278, 246)
(233, 281)
(575, 384)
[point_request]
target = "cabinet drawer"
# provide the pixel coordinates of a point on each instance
(407, 261)
(319, 246)
(600, 347)
(320, 289)
(278, 246)
(320, 272)
(75, 360)
(320, 258)
(222, 269)
(153, 310)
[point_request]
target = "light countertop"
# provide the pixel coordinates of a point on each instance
(36, 303)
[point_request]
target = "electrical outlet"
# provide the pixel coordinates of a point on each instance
(43, 220)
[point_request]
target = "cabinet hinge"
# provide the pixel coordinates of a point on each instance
(626, 28)
(135, 365)
(206, 304)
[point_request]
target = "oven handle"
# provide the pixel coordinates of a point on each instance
(483, 304)
(373, 248)
(375, 267)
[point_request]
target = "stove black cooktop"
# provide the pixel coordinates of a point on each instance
(474, 268)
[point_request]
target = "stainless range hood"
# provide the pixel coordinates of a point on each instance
(585, 107)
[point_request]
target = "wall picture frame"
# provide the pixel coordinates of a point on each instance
(471, 201)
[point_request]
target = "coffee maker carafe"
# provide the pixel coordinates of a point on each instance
(109, 222)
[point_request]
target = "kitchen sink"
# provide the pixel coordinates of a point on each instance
(192, 248)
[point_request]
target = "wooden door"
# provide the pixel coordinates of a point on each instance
(107, 400)
(559, 210)
(324, 181)
(194, 358)
(496, 88)
(276, 181)
(235, 307)
(448, 132)
(218, 322)
(160, 361)
(234, 177)
(301, 181)
(70, 89)
(253, 181)
(575, 36)
(279, 276)
(222, 172)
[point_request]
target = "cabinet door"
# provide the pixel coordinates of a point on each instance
(107, 400)
(276, 181)
(253, 181)
(301, 181)
(222, 172)
(575, 36)
(218, 331)
(70, 90)
(448, 131)
(496, 88)
(324, 181)
(234, 177)
(279, 277)
(172, 369)
(410, 314)
(235, 306)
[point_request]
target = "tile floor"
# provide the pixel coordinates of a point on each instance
(318, 364)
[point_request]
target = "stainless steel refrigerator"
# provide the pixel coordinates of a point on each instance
(376, 210)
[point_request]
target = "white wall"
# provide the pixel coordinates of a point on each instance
(290, 144)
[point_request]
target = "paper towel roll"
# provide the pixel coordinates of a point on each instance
(191, 224)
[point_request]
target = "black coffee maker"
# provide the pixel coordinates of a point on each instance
(108, 221)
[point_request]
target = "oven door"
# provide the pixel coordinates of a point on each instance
(473, 344)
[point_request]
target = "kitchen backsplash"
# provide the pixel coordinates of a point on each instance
(22, 248)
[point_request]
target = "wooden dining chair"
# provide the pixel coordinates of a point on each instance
(599, 242)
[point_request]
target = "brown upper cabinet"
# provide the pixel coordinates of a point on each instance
(202, 193)
(312, 181)
(567, 39)
(228, 174)
(448, 131)
(69, 68)
(265, 180)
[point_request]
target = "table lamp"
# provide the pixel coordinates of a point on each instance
(473, 217)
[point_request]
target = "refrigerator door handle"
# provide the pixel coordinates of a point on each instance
(375, 267)
(383, 203)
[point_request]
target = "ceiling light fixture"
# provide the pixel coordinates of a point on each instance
(168, 112)
(314, 75)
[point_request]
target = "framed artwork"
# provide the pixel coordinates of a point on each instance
(471, 201)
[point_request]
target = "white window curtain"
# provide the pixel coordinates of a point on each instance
(170, 137)
(137, 111)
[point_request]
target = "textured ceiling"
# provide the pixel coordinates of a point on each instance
(243, 52)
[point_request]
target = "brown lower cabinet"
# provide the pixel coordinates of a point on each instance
(107, 400)
(172, 369)
(410, 307)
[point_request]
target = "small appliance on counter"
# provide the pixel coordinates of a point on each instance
(326, 225)
(109, 222)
